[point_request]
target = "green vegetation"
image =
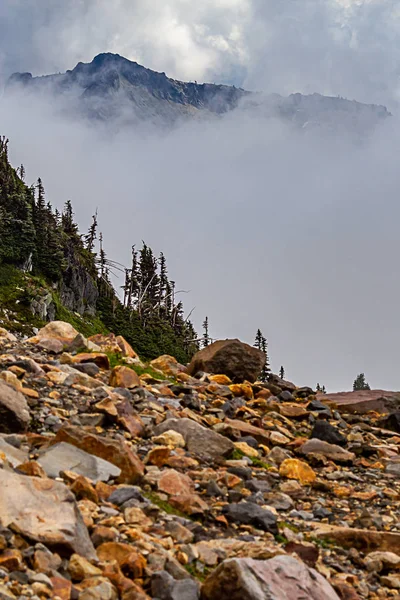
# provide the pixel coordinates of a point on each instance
(164, 505)
(117, 359)
(196, 573)
(257, 462)
(360, 383)
(42, 253)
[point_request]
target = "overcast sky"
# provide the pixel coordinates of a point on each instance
(294, 234)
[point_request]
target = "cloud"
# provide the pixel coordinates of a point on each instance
(339, 47)
(265, 226)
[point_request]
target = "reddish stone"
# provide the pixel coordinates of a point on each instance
(116, 452)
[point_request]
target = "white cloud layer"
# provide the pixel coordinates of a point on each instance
(340, 47)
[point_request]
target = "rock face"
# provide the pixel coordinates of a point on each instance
(237, 360)
(199, 439)
(14, 410)
(363, 401)
(65, 457)
(248, 513)
(45, 511)
(280, 578)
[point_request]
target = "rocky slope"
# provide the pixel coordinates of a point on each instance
(121, 480)
(114, 89)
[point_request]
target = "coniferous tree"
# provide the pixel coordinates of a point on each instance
(206, 337)
(282, 373)
(318, 387)
(261, 344)
(91, 235)
(360, 383)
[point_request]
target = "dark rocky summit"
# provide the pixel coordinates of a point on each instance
(114, 89)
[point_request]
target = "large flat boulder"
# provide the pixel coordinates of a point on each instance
(66, 457)
(116, 452)
(44, 511)
(365, 540)
(14, 410)
(237, 360)
(279, 578)
(14, 456)
(199, 440)
(362, 401)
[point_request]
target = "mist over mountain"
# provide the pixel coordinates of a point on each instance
(114, 89)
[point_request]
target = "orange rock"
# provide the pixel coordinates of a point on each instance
(62, 588)
(166, 364)
(220, 379)
(32, 468)
(11, 560)
(242, 389)
(174, 483)
(293, 468)
(293, 411)
(30, 393)
(124, 377)
(104, 490)
(158, 456)
(125, 555)
(116, 452)
(125, 347)
(264, 394)
(190, 504)
(99, 359)
(82, 488)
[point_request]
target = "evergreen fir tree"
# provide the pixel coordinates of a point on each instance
(360, 383)
(91, 235)
(206, 337)
(282, 373)
(261, 343)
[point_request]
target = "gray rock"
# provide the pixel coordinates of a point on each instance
(14, 456)
(393, 468)
(165, 587)
(44, 511)
(65, 457)
(199, 440)
(247, 513)
(124, 493)
(331, 451)
(280, 578)
(279, 500)
(14, 410)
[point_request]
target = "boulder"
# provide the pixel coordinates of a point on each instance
(279, 578)
(44, 511)
(167, 365)
(237, 360)
(362, 401)
(116, 452)
(58, 330)
(365, 540)
(124, 377)
(297, 469)
(14, 410)
(199, 440)
(391, 422)
(66, 457)
(326, 432)
(248, 513)
(331, 451)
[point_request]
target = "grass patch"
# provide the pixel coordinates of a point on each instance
(164, 505)
(117, 359)
(196, 573)
(257, 462)
(281, 539)
(326, 544)
(283, 524)
(17, 290)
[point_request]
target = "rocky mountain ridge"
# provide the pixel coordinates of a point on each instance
(114, 89)
(121, 480)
